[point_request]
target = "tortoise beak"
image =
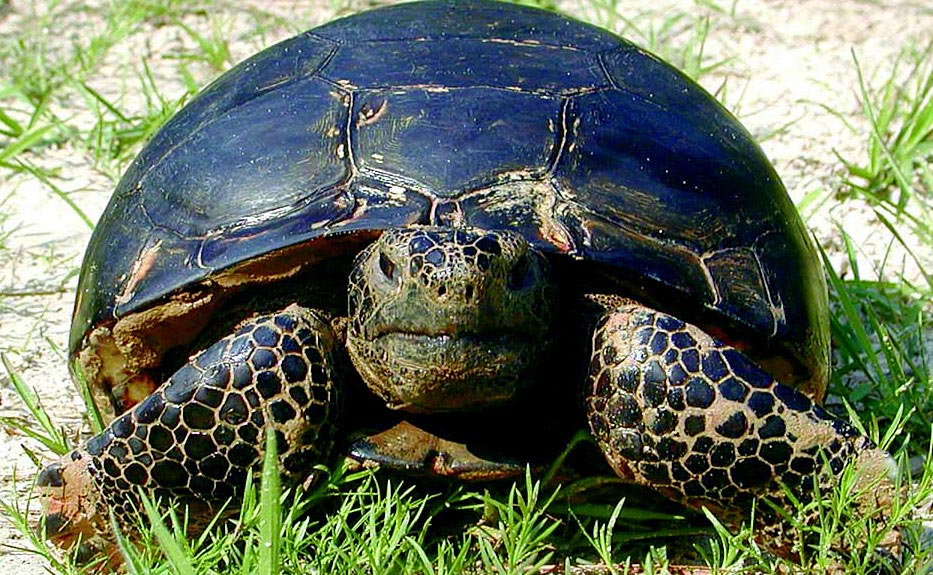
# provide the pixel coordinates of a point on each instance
(51, 476)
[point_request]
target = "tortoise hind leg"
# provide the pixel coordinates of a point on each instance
(678, 411)
(200, 434)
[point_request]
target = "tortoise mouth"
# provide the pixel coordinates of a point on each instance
(453, 351)
(501, 339)
(457, 356)
(445, 371)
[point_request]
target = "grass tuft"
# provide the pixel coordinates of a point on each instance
(896, 176)
(173, 543)
(878, 330)
(40, 427)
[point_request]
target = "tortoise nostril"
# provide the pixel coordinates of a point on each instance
(50, 476)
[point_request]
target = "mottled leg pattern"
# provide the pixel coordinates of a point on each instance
(201, 433)
(676, 410)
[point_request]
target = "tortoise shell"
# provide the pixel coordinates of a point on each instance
(479, 114)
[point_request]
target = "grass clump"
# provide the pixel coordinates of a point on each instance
(882, 322)
(895, 176)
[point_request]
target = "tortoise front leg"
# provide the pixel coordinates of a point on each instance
(200, 434)
(676, 410)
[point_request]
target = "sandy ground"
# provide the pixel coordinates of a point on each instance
(786, 63)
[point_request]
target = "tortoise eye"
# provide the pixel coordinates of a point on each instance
(387, 266)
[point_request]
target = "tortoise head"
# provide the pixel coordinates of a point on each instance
(448, 319)
(73, 508)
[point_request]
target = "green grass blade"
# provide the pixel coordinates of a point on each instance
(61, 194)
(174, 552)
(877, 120)
(14, 128)
(25, 141)
(131, 559)
(270, 510)
(50, 435)
(97, 97)
(91, 411)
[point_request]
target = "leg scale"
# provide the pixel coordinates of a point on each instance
(676, 410)
(201, 433)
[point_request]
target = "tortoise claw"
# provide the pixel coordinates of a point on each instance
(886, 562)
